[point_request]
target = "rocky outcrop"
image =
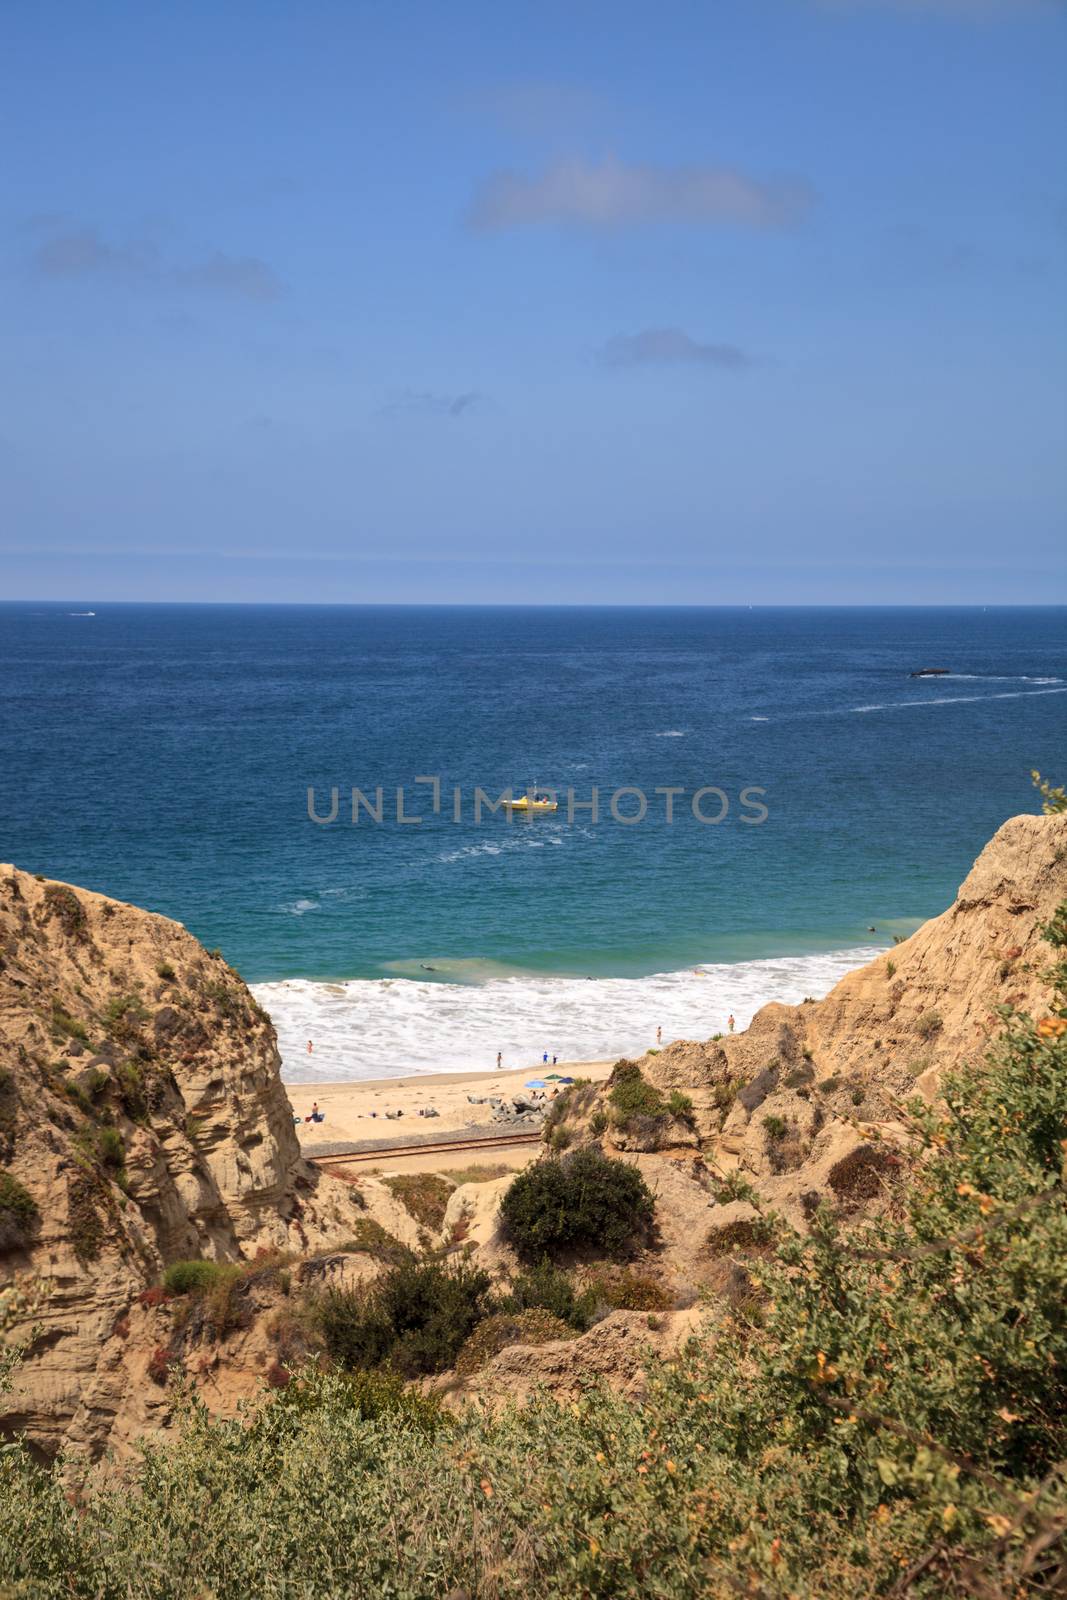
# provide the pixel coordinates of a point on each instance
(616, 1351)
(142, 1121)
(805, 1103)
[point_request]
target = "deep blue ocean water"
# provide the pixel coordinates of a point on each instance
(162, 754)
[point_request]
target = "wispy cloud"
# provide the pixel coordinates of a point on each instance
(430, 403)
(614, 194)
(83, 252)
(245, 276)
(656, 347)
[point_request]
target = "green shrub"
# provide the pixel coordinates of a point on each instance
(628, 1291)
(228, 1000)
(68, 1027)
(800, 1077)
(370, 1238)
(166, 972)
(776, 1127)
(194, 1277)
(745, 1235)
(415, 1317)
(18, 1212)
(928, 1024)
(360, 1397)
(680, 1105)
(545, 1288)
(9, 1113)
(631, 1095)
(133, 1091)
(724, 1093)
(424, 1196)
(1053, 799)
(77, 1094)
(123, 1017)
(502, 1329)
(581, 1201)
(63, 904)
(111, 1150)
(598, 1123)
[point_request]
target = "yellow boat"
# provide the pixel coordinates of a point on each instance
(534, 804)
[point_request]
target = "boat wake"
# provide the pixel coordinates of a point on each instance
(958, 699)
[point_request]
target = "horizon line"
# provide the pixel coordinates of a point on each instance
(561, 605)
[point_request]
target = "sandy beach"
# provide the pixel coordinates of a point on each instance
(357, 1111)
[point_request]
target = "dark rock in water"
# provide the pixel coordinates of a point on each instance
(930, 672)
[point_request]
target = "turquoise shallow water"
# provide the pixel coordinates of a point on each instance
(163, 754)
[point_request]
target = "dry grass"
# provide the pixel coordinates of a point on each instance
(485, 1174)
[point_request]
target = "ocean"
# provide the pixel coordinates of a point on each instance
(163, 754)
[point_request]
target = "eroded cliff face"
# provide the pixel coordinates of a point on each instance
(806, 1103)
(890, 1028)
(142, 1121)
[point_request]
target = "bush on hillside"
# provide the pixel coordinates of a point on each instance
(502, 1329)
(413, 1319)
(545, 1288)
(194, 1277)
(627, 1291)
(632, 1096)
(584, 1201)
(18, 1213)
(424, 1196)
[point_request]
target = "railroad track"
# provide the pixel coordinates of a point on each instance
(498, 1141)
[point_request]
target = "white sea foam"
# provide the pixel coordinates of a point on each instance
(297, 908)
(672, 733)
(389, 1027)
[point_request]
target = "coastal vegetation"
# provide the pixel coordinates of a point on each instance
(580, 1201)
(424, 1196)
(885, 1413)
(414, 1319)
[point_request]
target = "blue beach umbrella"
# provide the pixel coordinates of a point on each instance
(566, 1080)
(536, 1083)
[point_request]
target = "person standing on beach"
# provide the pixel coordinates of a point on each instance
(659, 1035)
(499, 1059)
(310, 1047)
(730, 1022)
(544, 1059)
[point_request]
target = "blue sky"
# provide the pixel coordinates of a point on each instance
(724, 302)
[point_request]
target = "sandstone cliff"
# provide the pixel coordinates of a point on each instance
(805, 1104)
(142, 1120)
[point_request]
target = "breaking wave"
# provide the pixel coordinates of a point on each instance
(394, 1027)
